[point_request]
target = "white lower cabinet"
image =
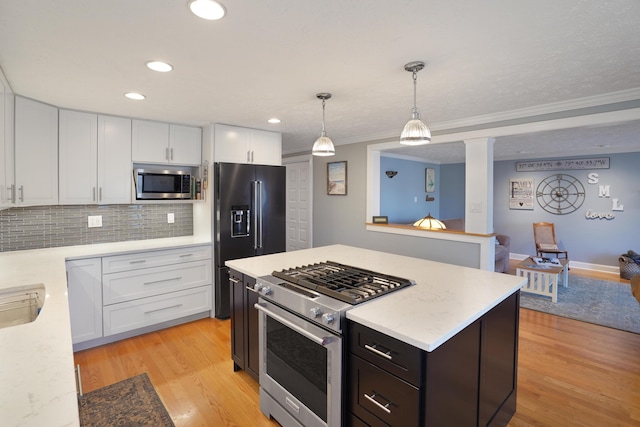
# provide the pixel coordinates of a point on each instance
(129, 294)
(84, 290)
(136, 314)
(136, 284)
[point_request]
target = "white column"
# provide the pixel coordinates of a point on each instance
(479, 195)
(479, 185)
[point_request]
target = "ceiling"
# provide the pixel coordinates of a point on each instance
(269, 59)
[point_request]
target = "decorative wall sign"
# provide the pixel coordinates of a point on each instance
(560, 194)
(560, 164)
(521, 193)
(429, 180)
(604, 191)
(381, 219)
(337, 178)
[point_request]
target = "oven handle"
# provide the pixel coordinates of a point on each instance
(323, 341)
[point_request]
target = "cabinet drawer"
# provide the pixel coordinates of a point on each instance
(130, 285)
(137, 314)
(380, 398)
(136, 261)
(397, 357)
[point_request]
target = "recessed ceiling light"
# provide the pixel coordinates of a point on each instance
(274, 121)
(160, 66)
(134, 95)
(207, 9)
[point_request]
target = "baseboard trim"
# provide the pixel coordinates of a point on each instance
(577, 264)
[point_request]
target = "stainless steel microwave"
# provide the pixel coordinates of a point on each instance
(162, 184)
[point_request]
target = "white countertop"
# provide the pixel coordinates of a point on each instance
(446, 298)
(36, 359)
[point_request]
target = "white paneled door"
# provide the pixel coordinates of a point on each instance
(298, 205)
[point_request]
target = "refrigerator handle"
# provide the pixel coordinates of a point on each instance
(260, 217)
(256, 215)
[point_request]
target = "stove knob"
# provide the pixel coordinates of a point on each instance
(257, 287)
(316, 312)
(265, 290)
(328, 318)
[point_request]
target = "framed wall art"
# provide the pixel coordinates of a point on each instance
(337, 178)
(521, 193)
(429, 180)
(381, 219)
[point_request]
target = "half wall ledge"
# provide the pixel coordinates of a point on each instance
(484, 243)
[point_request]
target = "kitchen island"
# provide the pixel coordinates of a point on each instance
(36, 359)
(451, 310)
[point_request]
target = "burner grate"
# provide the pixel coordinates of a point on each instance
(346, 283)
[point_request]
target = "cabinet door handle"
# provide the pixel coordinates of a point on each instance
(166, 153)
(100, 194)
(234, 280)
(372, 399)
(79, 380)
(172, 154)
(185, 255)
(248, 157)
(373, 349)
(21, 188)
(251, 156)
(162, 280)
(13, 193)
(163, 308)
(94, 194)
(138, 262)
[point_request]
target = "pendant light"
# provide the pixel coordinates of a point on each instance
(415, 132)
(323, 145)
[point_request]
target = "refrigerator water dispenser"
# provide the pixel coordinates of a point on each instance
(240, 221)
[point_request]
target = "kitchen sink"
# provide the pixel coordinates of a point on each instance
(21, 304)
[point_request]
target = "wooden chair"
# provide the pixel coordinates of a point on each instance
(544, 235)
(635, 287)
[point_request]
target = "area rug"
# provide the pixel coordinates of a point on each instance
(590, 300)
(132, 402)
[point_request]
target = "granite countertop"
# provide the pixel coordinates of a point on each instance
(36, 359)
(446, 298)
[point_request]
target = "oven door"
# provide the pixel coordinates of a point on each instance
(301, 367)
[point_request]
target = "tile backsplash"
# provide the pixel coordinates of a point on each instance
(37, 227)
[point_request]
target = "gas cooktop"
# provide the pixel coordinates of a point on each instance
(353, 285)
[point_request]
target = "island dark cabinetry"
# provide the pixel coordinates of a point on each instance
(470, 380)
(244, 324)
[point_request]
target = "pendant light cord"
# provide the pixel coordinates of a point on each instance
(415, 85)
(324, 133)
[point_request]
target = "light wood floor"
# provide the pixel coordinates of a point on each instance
(570, 373)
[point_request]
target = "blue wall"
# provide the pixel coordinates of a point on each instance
(452, 183)
(402, 198)
(594, 241)
(597, 241)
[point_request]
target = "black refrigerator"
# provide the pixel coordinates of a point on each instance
(249, 219)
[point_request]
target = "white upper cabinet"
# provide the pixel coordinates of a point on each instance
(185, 145)
(6, 146)
(78, 147)
(155, 142)
(242, 145)
(150, 142)
(36, 153)
(95, 159)
(114, 160)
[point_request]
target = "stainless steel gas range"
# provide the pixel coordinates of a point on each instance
(302, 319)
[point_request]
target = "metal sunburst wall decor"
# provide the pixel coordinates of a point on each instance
(560, 194)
